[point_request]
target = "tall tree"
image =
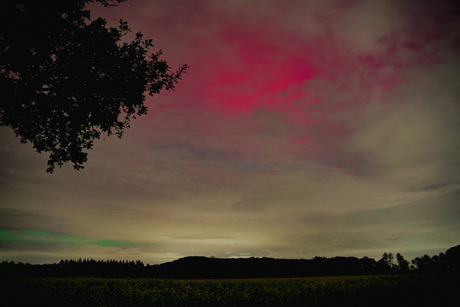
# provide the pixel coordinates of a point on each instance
(390, 260)
(403, 264)
(424, 263)
(66, 79)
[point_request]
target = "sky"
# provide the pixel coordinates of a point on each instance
(301, 129)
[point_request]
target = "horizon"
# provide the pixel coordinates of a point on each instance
(301, 129)
(409, 259)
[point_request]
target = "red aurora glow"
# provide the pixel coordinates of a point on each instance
(263, 74)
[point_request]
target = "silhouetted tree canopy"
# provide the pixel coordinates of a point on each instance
(452, 258)
(66, 79)
(403, 264)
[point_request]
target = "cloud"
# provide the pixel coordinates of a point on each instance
(363, 25)
(414, 144)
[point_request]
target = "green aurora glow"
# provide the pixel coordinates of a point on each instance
(41, 237)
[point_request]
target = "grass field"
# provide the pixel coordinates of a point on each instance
(399, 290)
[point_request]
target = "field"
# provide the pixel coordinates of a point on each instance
(400, 290)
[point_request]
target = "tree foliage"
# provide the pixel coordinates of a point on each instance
(403, 264)
(66, 79)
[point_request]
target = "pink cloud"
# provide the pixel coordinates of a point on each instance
(319, 81)
(252, 70)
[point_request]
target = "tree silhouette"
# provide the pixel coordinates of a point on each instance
(424, 263)
(403, 264)
(390, 260)
(66, 79)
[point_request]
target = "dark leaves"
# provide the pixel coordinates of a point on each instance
(66, 79)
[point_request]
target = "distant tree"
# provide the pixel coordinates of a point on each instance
(442, 259)
(382, 266)
(66, 79)
(368, 265)
(439, 262)
(415, 262)
(388, 259)
(385, 257)
(403, 264)
(424, 263)
(452, 258)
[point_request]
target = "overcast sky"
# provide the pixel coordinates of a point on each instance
(301, 129)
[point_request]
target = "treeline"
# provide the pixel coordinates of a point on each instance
(73, 268)
(205, 267)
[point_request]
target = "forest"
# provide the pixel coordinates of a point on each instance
(197, 267)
